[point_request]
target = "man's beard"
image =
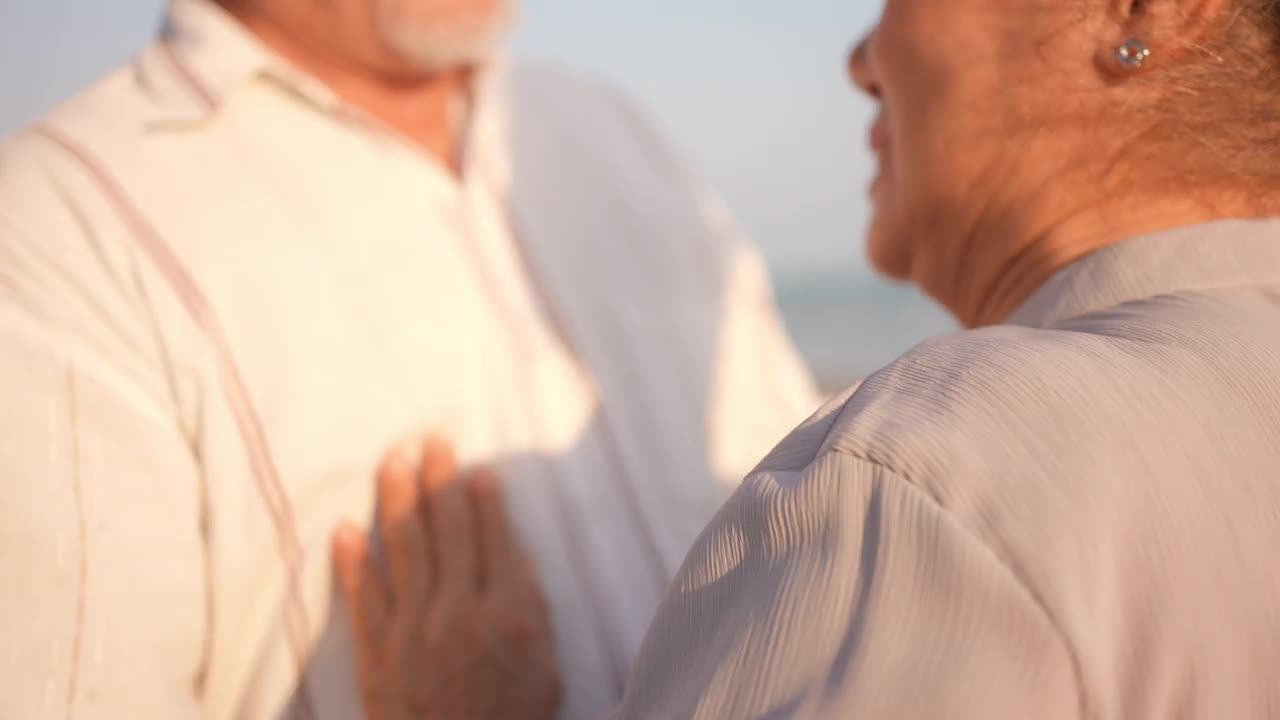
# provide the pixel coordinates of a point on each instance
(448, 45)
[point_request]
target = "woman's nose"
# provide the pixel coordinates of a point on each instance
(860, 69)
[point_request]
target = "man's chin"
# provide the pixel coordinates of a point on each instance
(450, 46)
(431, 52)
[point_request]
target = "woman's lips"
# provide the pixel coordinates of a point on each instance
(879, 139)
(879, 136)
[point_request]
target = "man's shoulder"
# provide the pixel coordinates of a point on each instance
(559, 97)
(117, 109)
(58, 232)
(536, 78)
(38, 175)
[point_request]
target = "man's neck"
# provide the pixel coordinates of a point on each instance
(424, 109)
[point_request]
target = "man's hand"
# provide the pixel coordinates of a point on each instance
(456, 628)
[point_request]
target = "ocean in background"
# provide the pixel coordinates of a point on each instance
(849, 325)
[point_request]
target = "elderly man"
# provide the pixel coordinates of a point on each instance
(290, 234)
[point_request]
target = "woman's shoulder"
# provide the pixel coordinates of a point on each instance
(1022, 401)
(1048, 402)
(990, 400)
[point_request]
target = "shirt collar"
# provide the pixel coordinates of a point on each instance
(1225, 253)
(216, 56)
(215, 52)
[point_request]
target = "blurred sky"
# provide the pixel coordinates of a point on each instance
(754, 91)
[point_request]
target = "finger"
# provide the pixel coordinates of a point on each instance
(404, 541)
(449, 522)
(501, 559)
(363, 592)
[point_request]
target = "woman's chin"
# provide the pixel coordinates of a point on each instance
(888, 255)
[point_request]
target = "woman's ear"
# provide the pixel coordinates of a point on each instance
(1174, 27)
(1157, 33)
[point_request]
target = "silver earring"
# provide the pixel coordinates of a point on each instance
(1132, 53)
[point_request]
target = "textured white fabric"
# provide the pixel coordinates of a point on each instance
(576, 308)
(1072, 516)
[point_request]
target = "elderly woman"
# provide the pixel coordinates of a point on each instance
(1069, 510)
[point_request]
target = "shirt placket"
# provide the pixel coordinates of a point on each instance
(519, 321)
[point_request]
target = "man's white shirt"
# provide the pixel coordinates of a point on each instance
(208, 229)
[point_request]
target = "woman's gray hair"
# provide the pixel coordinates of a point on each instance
(1224, 99)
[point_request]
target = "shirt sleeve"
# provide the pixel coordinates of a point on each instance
(762, 388)
(103, 613)
(841, 590)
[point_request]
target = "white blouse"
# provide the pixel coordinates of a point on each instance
(1072, 516)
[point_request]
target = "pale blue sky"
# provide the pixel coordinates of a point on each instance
(754, 91)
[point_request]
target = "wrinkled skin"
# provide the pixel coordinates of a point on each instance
(455, 625)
